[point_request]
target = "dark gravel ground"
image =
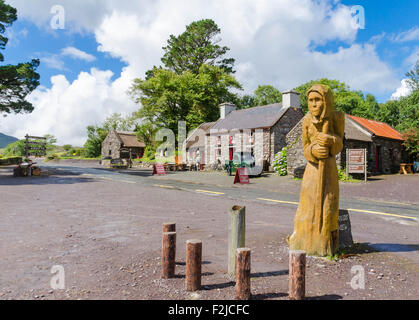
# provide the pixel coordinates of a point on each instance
(107, 236)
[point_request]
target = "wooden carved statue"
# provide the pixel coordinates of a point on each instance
(316, 226)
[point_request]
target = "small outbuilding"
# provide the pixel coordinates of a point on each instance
(384, 145)
(122, 145)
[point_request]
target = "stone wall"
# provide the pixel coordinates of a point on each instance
(296, 162)
(392, 154)
(280, 130)
(111, 146)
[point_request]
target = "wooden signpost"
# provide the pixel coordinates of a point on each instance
(356, 161)
(242, 176)
(35, 146)
(158, 169)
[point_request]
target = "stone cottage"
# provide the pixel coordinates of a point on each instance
(122, 145)
(260, 131)
(195, 144)
(385, 150)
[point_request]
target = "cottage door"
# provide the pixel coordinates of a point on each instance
(378, 159)
(202, 153)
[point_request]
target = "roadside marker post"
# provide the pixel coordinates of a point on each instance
(243, 289)
(237, 234)
(193, 265)
(297, 274)
(168, 258)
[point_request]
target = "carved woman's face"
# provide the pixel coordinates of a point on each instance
(315, 104)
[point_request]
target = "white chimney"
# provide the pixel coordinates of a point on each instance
(291, 99)
(226, 109)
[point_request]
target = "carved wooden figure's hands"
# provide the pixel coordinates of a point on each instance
(320, 152)
(325, 140)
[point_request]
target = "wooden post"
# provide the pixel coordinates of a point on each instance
(365, 166)
(237, 233)
(27, 146)
(168, 257)
(193, 264)
(297, 274)
(243, 290)
(169, 227)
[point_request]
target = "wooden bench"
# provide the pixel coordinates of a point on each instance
(406, 168)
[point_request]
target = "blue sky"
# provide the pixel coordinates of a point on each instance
(87, 68)
(47, 45)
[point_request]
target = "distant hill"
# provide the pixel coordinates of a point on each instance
(6, 140)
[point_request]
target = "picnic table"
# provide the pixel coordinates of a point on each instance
(406, 168)
(118, 164)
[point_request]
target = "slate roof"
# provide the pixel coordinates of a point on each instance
(197, 138)
(252, 118)
(380, 129)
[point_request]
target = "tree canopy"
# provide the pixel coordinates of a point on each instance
(413, 77)
(168, 97)
(197, 46)
(16, 81)
(262, 96)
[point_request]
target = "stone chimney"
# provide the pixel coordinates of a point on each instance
(226, 109)
(291, 99)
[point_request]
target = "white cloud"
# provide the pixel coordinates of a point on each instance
(409, 35)
(273, 42)
(54, 61)
(78, 54)
(66, 109)
(403, 91)
(14, 36)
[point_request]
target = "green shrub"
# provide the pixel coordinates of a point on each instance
(149, 153)
(52, 157)
(280, 162)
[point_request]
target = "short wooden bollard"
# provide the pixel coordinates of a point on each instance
(237, 235)
(297, 275)
(169, 227)
(243, 289)
(168, 256)
(193, 264)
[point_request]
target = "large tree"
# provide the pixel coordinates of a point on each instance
(197, 46)
(167, 97)
(262, 96)
(346, 100)
(16, 81)
(413, 77)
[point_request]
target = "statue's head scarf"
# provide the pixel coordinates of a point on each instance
(328, 101)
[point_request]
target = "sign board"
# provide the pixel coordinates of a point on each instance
(158, 169)
(242, 176)
(35, 146)
(345, 231)
(353, 168)
(356, 161)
